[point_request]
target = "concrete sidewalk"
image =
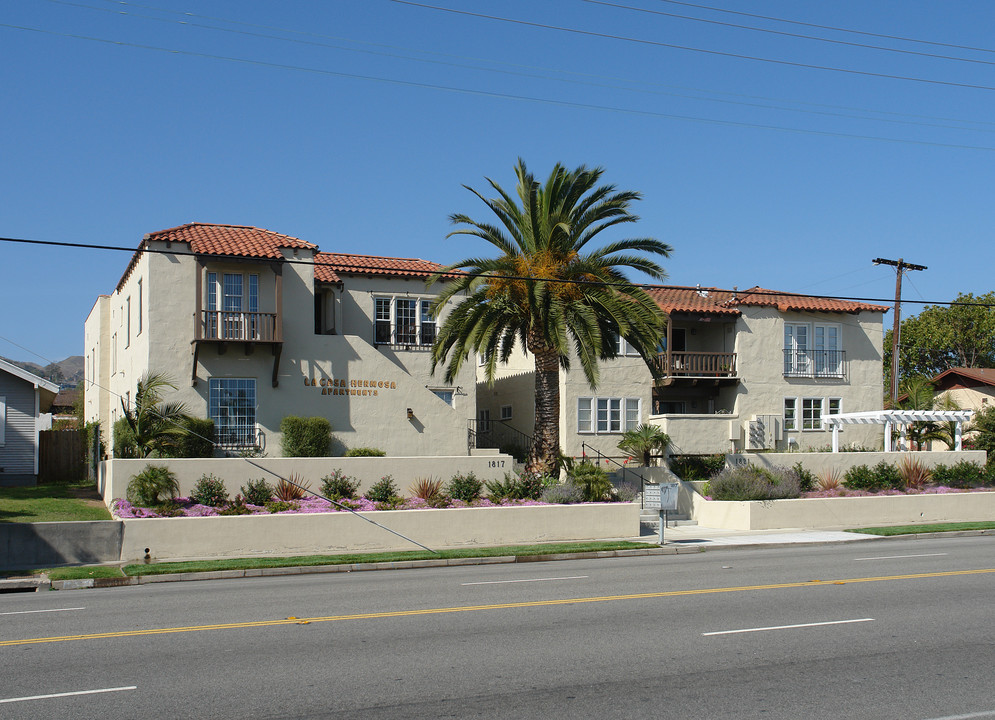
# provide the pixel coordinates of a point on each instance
(696, 535)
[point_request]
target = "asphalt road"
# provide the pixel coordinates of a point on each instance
(890, 629)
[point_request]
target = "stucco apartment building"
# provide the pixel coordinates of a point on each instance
(750, 370)
(252, 326)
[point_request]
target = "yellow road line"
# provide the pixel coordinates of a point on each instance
(498, 606)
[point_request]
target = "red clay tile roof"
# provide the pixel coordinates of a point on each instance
(238, 240)
(713, 301)
(790, 301)
(709, 301)
(230, 240)
(329, 266)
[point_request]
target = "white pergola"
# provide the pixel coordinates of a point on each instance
(901, 418)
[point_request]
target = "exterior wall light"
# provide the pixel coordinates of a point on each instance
(411, 413)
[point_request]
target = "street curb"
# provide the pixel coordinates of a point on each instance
(87, 583)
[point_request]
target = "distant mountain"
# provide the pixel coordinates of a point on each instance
(68, 372)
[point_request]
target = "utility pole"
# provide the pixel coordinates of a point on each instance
(900, 266)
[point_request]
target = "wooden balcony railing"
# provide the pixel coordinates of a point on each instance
(225, 325)
(698, 364)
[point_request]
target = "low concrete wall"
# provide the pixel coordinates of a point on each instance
(33, 545)
(282, 535)
(236, 472)
(844, 512)
(820, 461)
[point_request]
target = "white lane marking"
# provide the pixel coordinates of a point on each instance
(969, 716)
(788, 627)
(898, 557)
(28, 612)
(67, 694)
(503, 582)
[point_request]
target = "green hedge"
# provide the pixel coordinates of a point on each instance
(305, 436)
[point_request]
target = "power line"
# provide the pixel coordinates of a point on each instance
(509, 96)
(646, 89)
(452, 273)
(830, 27)
(673, 46)
(790, 34)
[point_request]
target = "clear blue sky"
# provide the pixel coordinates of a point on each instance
(355, 124)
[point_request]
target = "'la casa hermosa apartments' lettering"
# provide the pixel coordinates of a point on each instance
(355, 388)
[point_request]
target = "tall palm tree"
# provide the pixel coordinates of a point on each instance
(549, 289)
(643, 441)
(157, 426)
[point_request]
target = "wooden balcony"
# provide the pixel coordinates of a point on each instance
(227, 326)
(696, 366)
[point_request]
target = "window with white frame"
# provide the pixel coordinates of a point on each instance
(444, 394)
(3, 420)
(403, 321)
(624, 348)
(601, 415)
(484, 417)
(813, 350)
(811, 413)
(139, 307)
(232, 407)
(127, 332)
(790, 413)
(506, 412)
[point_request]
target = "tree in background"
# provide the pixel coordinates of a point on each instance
(550, 290)
(940, 338)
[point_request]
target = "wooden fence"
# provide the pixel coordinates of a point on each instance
(60, 456)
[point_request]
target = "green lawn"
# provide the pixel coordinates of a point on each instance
(918, 529)
(165, 568)
(51, 503)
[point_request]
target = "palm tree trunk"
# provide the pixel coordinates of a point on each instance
(545, 451)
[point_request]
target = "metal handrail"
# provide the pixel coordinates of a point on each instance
(485, 428)
(625, 468)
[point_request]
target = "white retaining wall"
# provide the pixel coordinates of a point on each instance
(236, 472)
(306, 534)
(844, 512)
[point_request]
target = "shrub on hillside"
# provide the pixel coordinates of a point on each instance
(384, 491)
(964, 474)
(882, 476)
(526, 486)
(566, 493)
(748, 482)
(257, 492)
(198, 440)
(365, 452)
(305, 436)
(338, 485)
(696, 467)
(464, 487)
(124, 445)
(210, 490)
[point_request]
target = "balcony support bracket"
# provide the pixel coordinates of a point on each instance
(196, 353)
(277, 352)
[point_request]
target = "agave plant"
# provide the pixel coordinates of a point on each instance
(292, 488)
(830, 479)
(914, 473)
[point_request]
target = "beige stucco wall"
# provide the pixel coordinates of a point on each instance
(367, 416)
(846, 512)
(971, 398)
(236, 472)
(281, 535)
(96, 368)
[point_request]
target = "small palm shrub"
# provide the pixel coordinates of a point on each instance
(464, 487)
(384, 491)
(257, 492)
(153, 485)
(210, 490)
(830, 479)
(293, 488)
(748, 482)
(338, 485)
(592, 480)
(365, 452)
(566, 493)
(964, 474)
(914, 473)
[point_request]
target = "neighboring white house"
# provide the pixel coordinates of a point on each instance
(24, 400)
(252, 326)
(967, 388)
(749, 370)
